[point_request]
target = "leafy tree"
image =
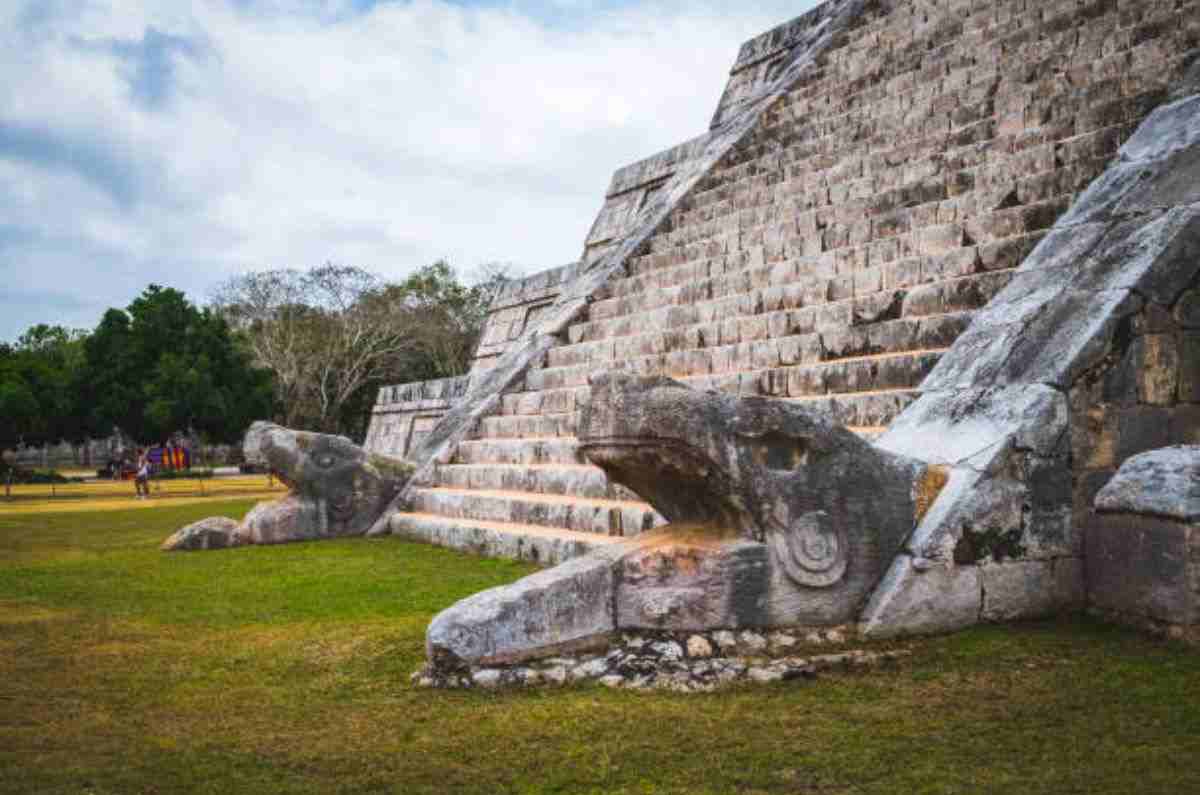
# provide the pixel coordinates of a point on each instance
(19, 409)
(442, 320)
(164, 365)
(38, 386)
(110, 387)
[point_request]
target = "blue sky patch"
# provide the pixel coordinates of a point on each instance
(149, 63)
(94, 161)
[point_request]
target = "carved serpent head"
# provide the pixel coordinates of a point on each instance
(348, 486)
(819, 496)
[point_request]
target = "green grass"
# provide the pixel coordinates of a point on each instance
(285, 670)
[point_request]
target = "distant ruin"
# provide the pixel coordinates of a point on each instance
(967, 232)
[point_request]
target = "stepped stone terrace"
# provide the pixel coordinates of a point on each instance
(830, 257)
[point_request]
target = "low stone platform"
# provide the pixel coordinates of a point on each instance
(1143, 562)
(699, 662)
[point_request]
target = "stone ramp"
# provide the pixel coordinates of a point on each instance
(835, 253)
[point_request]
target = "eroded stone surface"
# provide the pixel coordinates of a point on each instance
(217, 532)
(1162, 483)
(1143, 564)
(561, 608)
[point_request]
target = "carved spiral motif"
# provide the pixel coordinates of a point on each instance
(813, 554)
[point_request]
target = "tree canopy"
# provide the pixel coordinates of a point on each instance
(163, 364)
(332, 335)
(307, 348)
(39, 377)
(159, 366)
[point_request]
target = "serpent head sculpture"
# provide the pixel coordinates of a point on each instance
(337, 489)
(829, 509)
(778, 518)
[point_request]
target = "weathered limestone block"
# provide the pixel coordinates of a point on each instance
(1164, 483)
(554, 611)
(691, 581)
(337, 489)
(1143, 561)
(779, 518)
(216, 532)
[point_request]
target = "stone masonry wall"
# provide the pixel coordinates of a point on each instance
(405, 414)
(1143, 544)
(518, 306)
(1076, 366)
(883, 200)
(1145, 395)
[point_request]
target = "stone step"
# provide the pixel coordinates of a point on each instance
(897, 100)
(562, 480)
(821, 146)
(880, 264)
(862, 408)
(829, 346)
(790, 285)
(520, 426)
(916, 176)
(550, 401)
(542, 545)
(806, 211)
(555, 450)
(905, 370)
(884, 373)
(604, 517)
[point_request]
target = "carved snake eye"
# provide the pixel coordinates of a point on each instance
(325, 461)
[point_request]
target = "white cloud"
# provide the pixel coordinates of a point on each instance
(386, 138)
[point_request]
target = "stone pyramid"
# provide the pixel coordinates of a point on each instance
(873, 176)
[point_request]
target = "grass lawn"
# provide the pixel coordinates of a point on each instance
(285, 669)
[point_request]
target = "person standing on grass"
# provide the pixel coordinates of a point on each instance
(141, 481)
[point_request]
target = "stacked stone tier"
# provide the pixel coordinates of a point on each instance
(838, 251)
(529, 496)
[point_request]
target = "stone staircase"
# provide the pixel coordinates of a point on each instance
(836, 253)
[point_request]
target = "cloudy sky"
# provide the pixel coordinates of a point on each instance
(181, 142)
